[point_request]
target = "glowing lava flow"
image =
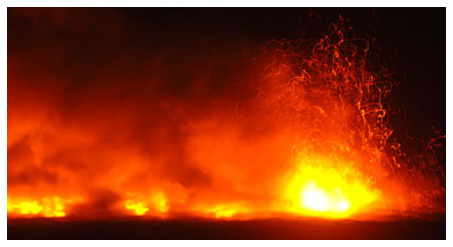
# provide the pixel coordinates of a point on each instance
(155, 205)
(47, 207)
(318, 200)
(137, 207)
(330, 193)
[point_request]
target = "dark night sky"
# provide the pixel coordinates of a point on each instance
(412, 42)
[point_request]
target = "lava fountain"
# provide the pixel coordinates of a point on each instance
(298, 130)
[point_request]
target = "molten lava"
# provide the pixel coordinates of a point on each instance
(47, 207)
(299, 130)
(137, 207)
(319, 191)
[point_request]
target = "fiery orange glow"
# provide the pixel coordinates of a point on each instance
(154, 205)
(301, 129)
(319, 191)
(227, 210)
(137, 207)
(47, 207)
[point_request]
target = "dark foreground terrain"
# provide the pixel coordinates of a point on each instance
(209, 229)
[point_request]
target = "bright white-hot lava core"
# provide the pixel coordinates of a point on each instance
(319, 191)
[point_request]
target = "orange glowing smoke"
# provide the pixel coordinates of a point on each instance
(306, 135)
